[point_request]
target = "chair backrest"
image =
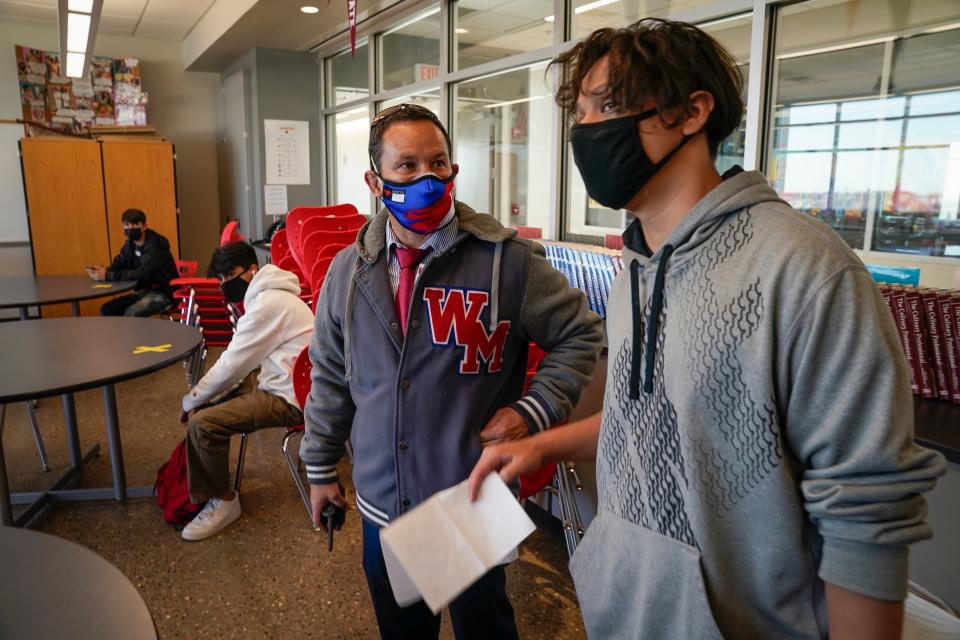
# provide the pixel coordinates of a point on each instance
(613, 241)
(187, 268)
(319, 272)
(318, 240)
(528, 232)
(231, 233)
(298, 215)
(279, 246)
(301, 376)
(347, 223)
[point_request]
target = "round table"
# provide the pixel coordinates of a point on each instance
(62, 355)
(53, 588)
(31, 291)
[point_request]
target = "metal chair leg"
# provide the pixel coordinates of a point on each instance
(35, 426)
(567, 480)
(243, 454)
(292, 466)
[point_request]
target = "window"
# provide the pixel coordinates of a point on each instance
(866, 128)
(503, 142)
(493, 29)
(586, 217)
(348, 77)
(351, 133)
(410, 52)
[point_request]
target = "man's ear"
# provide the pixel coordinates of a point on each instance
(373, 183)
(701, 106)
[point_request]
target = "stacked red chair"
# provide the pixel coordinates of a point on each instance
(231, 233)
(532, 233)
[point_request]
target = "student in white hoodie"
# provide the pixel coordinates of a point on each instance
(273, 330)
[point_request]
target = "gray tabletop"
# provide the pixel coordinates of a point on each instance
(29, 291)
(53, 588)
(60, 355)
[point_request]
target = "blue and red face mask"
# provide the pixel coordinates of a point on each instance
(422, 205)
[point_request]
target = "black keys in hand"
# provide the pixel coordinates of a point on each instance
(332, 518)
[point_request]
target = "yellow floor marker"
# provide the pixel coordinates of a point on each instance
(160, 348)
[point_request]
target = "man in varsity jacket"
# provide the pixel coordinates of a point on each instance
(419, 357)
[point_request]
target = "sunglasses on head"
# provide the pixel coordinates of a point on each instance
(403, 108)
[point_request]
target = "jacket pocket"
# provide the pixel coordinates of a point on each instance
(634, 583)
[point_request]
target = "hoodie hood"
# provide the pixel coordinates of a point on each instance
(271, 277)
(739, 190)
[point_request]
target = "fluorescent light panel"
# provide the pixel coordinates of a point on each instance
(78, 29)
(309, 9)
(75, 62)
(83, 6)
(585, 8)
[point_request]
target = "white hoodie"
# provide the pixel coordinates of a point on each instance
(274, 329)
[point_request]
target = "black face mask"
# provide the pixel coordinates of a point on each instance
(611, 158)
(235, 288)
(134, 233)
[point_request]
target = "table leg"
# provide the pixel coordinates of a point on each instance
(76, 308)
(6, 510)
(113, 440)
(73, 434)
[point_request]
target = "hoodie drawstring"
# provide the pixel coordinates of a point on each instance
(495, 287)
(348, 321)
(656, 307)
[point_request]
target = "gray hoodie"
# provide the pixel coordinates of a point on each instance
(757, 434)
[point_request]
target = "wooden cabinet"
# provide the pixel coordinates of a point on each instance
(76, 191)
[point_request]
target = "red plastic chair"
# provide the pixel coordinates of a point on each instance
(319, 272)
(279, 246)
(532, 233)
(297, 217)
(187, 268)
(206, 295)
(613, 241)
(346, 223)
(231, 233)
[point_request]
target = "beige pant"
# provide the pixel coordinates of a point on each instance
(246, 410)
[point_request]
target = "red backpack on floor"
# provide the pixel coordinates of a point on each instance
(171, 488)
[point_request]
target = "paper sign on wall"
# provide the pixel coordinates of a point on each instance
(275, 199)
(287, 151)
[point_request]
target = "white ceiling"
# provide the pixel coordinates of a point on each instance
(157, 19)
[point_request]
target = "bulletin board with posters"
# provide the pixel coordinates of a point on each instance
(110, 94)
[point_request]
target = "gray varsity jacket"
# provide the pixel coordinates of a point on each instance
(413, 406)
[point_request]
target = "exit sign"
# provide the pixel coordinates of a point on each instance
(424, 72)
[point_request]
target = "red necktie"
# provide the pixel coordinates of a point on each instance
(409, 260)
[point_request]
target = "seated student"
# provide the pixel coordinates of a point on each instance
(146, 258)
(273, 330)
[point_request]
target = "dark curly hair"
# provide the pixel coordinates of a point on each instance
(662, 60)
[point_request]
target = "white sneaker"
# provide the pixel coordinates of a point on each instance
(213, 519)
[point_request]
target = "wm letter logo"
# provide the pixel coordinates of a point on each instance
(455, 320)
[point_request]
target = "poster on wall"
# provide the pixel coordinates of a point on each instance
(287, 151)
(32, 76)
(111, 94)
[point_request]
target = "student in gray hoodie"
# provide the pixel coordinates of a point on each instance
(756, 468)
(419, 358)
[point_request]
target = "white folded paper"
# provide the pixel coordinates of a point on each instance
(440, 548)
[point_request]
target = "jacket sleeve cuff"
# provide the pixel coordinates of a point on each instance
(876, 571)
(321, 473)
(535, 413)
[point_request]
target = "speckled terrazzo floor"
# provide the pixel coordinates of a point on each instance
(267, 576)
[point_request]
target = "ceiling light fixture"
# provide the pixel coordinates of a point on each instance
(83, 6)
(309, 9)
(459, 30)
(586, 7)
(78, 29)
